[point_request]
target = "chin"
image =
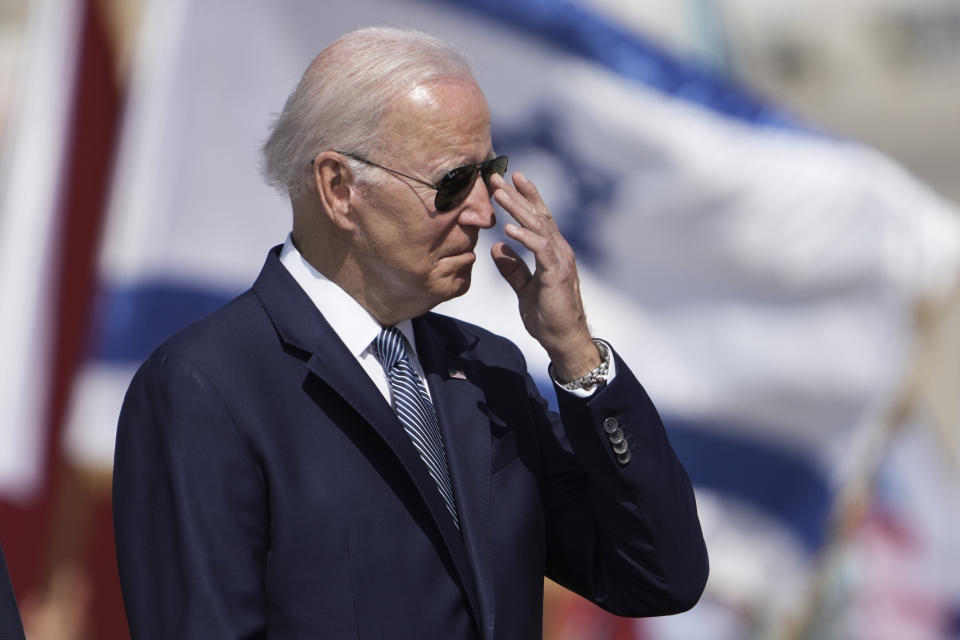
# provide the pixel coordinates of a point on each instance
(455, 286)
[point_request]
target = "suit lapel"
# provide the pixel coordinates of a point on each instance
(466, 436)
(302, 326)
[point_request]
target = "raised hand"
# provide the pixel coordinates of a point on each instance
(549, 298)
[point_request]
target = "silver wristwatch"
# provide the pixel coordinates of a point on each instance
(594, 377)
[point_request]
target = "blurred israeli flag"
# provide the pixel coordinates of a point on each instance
(760, 278)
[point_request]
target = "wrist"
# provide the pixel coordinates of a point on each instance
(588, 378)
(575, 358)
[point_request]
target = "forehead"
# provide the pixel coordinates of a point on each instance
(447, 119)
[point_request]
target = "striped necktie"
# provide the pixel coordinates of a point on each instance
(415, 411)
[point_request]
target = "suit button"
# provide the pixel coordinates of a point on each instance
(620, 447)
(624, 457)
(616, 437)
(610, 424)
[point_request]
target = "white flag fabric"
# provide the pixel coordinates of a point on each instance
(30, 183)
(760, 278)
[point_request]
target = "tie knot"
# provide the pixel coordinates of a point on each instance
(390, 347)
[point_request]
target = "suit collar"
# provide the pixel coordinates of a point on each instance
(293, 314)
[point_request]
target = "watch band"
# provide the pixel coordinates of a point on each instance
(591, 378)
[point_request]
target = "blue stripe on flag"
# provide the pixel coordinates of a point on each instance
(568, 26)
(776, 481)
(130, 322)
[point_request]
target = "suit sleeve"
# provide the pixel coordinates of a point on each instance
(622, 528)
(189, 510)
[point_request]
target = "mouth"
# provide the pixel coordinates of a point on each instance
(462, 251)
(466, 254)
(459, 262)
(460, 247)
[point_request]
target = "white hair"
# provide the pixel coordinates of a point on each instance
(341, 100)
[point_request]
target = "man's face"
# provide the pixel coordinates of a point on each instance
(411, 255)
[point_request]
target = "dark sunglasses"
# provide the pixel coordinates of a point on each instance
(455, 186)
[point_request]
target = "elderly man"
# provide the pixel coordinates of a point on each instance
(324, 457)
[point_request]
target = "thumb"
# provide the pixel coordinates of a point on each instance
(513, 269)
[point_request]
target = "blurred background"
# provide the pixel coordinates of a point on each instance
(762, 195)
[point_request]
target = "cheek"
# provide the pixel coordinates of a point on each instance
(388, 241)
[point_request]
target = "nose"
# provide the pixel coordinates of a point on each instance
(477, 208)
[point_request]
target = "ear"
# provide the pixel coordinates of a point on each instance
(335, 188)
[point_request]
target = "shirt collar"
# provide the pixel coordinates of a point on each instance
(347, 317)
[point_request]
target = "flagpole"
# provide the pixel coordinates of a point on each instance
(936, 330)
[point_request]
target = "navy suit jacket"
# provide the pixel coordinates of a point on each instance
(264, 488)
(10, 627)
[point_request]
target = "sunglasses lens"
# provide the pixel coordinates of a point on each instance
(457, 184)
(496, 166)
(455, 187)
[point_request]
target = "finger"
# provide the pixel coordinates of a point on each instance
(528, 190)
(518, 184)
(517, 206)
(530, 239)
(498, 182)
(531, 212)
(513, 269)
